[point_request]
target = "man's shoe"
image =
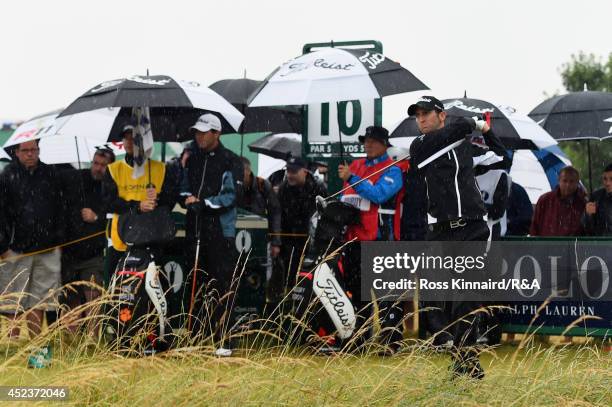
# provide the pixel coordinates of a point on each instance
(444, 347)
(467, 365)
(223, 352)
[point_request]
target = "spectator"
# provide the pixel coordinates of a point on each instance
(177, 164)
(520, 211)
(214, 183)
(84, 261)
(259, 198)
(414, 211)
(558, 212)
(379, 203)
(597, 219)
(31, 225)
(125, 194)
(296, 195)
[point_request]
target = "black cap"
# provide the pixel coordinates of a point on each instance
(295, 163)
(378, 133)
(427, 103)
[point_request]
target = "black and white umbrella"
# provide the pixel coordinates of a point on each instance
(334, 75)
(279, 146)
(281, 119)
(515, 130)
(583, 115)
(71, 146)
(174, 106)
(576, 115)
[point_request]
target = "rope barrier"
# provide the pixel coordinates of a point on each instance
(50, 249)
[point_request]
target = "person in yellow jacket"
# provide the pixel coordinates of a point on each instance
(125, 194)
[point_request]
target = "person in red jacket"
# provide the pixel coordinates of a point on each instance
(379, 200)
(559, 212)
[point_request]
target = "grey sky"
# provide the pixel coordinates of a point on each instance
(506, 52)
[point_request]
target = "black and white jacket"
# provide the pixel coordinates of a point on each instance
(446, 158)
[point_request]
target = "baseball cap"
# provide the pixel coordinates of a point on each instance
(207, 122)
(427, 103)
(376, 132)
(295, 163)
(127, 128)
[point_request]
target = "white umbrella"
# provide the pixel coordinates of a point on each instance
(58, 147)
(537, 175)
(334, 75)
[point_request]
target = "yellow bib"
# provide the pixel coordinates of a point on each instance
(131, 189)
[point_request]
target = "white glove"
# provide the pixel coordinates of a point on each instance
(479, 123)
(211, 205)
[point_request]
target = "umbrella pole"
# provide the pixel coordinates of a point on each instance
(76, 143)
(340, 133)
(589, 163)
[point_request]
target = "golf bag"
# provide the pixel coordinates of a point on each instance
(138, 311)
(332, 313)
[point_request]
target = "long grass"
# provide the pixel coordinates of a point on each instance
(268, 368)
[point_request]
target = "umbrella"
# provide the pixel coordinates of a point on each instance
(516, 131)
(537, 170)
(576, 115)
(583, 115)
(334, 75)
(4, 155)
(174, 106)
(283, 119)
(279, 146)
(69, 147)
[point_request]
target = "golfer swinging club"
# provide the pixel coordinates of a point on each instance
(456, 212)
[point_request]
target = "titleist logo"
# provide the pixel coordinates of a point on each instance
(334, 294)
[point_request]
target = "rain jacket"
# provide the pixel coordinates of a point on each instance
(446, 160)
(297, 207)
(82, 191)
(216, 178)
(599, 224)
(123, 199)
(378, 199)
(259, 198)
(32, 208)
(556, 216)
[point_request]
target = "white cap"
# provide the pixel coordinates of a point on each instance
(207, 122)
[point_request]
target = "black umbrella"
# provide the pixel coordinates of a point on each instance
(174, 106)
(515, 131)
(577, 116)
(278, 119)
(279, 146)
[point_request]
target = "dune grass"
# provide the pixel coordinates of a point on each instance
(267, 371)
(526, 375)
